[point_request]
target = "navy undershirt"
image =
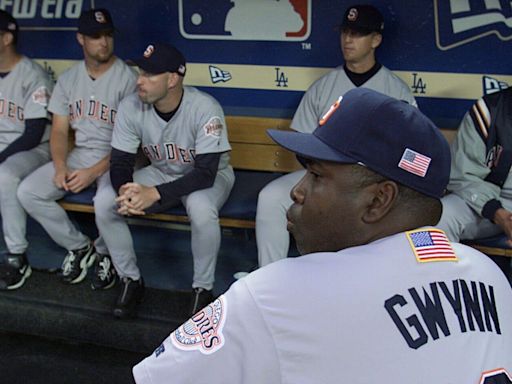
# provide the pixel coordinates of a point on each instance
(201, 177)
(359, 79)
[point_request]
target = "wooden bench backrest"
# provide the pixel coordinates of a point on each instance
(253, 149)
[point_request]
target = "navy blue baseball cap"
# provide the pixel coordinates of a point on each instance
(363, 18)
(160, 58)
(8, 23)
(388, 136)
(95, 21)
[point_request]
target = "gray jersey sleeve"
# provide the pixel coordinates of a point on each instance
(227, 342)
(468, 168)
(125, 135)
(211, 134)
(38, 86)
(307, 114)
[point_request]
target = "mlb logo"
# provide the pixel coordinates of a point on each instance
(263, 20)
(462, 21)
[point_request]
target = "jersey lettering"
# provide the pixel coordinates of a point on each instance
(496, 376)
(435, 304)
(173, 153)
(94, 110)
(11, 110)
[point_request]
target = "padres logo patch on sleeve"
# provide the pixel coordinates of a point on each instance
(214, 127)
(203, 332)
(431, 245)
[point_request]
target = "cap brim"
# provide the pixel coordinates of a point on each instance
(309, 146)
(146, 66)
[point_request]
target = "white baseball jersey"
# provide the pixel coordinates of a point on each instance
(327, 89)
(92, 104)
(24, 94)
(198, 127)
(408, 308)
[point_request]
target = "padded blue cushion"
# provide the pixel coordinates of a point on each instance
(241, 203)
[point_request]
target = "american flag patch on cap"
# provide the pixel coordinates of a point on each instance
(431, 245)
(414, 162)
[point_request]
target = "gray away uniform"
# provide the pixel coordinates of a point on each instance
(24, 95)
(198, 127)
(274, 200)
(91, 106)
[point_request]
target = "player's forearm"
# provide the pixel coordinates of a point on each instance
(121, 168)
(59, 148)
(101, 166)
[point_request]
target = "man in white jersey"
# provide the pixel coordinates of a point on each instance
(183, 134)
(24, 93)
(379, 295)
(85, 98)
(361, 35)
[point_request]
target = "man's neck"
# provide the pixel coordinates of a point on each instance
(9, 60)
(171, 102)
(362, 66)
(95, 68)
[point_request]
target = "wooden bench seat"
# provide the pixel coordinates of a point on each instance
(257, 160)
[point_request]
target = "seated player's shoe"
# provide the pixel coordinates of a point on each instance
(132, 293)
(76, 263)
(200, 298)
(14, 271)
(105, 275)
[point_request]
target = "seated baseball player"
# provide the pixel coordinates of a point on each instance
(480, 204)
(379, 294)
(24, 93)
(183, 134)
(360, 35)
(85, 99)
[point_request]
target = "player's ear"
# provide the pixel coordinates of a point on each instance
(7, 38)
(80, 39)
(384, 195)
(376, 40)
(173, 80)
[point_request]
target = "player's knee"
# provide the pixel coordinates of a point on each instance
(25, 193)
(201, 214)
(104, 204)
(9, 182)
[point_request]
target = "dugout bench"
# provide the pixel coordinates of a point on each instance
(257, 160)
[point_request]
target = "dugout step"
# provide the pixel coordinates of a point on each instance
(44, 306)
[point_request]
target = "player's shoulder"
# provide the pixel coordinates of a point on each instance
(123, 68)
(194, 98)
(71, 73)
(330, 77)
(392, 77)
(132, 103)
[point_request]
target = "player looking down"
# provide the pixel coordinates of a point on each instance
(379, 295)
(85, 99)
(183, 134)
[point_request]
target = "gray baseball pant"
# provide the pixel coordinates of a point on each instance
(272, 237)
(12, 171)
(38, 194)
(203, 211)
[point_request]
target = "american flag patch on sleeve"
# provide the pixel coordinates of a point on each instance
(414, 162)
(431, 245)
